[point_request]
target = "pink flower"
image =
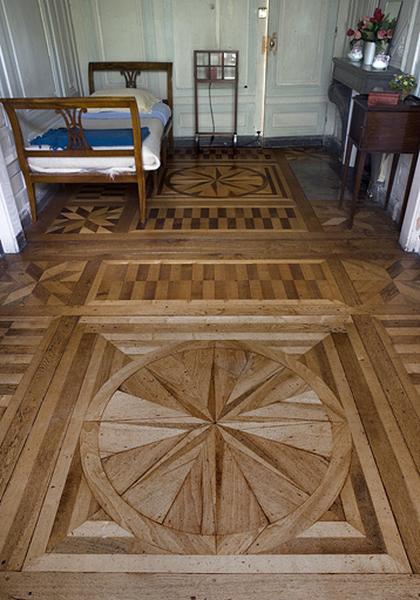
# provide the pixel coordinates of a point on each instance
(350, 32)
(389, 34)
(378, 16)
(382, 34)
(364, 23)
(357, 35)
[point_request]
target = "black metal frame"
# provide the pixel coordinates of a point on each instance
(211, 78)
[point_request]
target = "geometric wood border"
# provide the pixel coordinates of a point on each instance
(85, 339)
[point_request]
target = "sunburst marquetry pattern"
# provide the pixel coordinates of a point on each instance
(216, 448)
(217, 182)
(205, 399)
(219, 194)
(223, 181)
(149, 427)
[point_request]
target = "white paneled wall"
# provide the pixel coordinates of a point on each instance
(169, 30)
(299, 71)
(38, 58)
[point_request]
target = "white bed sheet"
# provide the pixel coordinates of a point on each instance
(112, 165)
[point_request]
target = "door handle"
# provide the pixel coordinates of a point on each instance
(272, 43)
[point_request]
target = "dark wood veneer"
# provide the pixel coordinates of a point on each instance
(385, 129)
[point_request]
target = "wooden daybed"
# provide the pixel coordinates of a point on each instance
(72, 109)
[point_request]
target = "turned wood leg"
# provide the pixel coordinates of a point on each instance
(345, 172)
(408, 187)
(395, 160)
(360, 165)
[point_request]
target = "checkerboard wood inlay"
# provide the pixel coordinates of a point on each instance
(224, 218)
(208, 280)
(208, 407)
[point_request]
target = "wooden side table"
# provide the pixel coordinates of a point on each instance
(348, 78)
(383, 129)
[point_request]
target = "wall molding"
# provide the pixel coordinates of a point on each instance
(10, 226)
(51, 70)
(8, 38)
(52, 47)
(315, 79)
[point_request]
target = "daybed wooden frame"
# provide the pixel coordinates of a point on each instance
(71, 109)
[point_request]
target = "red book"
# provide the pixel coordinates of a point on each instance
(383, 98)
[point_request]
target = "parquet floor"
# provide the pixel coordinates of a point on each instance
(221, 405)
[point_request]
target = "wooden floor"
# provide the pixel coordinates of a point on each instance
(222, 405)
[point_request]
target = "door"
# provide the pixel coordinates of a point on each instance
(299, 66)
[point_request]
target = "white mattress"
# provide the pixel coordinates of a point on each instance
(103, 164)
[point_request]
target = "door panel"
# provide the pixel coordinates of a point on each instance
(298, 70)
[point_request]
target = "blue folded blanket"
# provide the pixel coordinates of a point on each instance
(58, 138)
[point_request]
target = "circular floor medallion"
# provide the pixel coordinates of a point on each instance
(220, 181)
(221, 447)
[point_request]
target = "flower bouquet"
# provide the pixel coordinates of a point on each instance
(376, 32)
(379, 29)
(404, 83)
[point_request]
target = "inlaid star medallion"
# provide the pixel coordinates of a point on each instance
(218, 181)
(220, 447)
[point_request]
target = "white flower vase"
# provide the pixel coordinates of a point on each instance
(369, 51)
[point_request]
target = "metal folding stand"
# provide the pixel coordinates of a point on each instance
(215, 68)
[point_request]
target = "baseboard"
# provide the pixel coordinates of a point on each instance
(331, 143)
(21, 240)
(218, 142)
(44, 194)
(314, 141)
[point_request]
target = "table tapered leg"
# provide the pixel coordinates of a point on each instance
(345, 172)
(360, 165)
(395, 160)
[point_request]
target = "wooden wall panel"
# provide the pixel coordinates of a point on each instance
(165, 30)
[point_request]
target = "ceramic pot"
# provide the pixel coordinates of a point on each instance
(355, 54)
(369, 51)
(381, 62)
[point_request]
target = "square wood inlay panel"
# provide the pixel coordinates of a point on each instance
(208, 280)
(221, 405)
(217, 421)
